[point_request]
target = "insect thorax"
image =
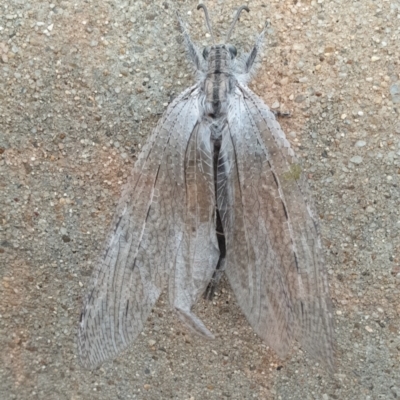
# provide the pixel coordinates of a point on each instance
(220, 81)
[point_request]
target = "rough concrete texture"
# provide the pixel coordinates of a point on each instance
(81, 86)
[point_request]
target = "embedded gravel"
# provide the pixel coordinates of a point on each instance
(81, 86)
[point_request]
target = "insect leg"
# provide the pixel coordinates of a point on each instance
(192, 50)
(249, 62)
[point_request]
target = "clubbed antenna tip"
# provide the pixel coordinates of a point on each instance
(201, 5)
(238, 12)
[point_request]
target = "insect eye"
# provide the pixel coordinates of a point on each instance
(206, 52)
(232, 51)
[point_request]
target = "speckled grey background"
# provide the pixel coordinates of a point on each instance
(81, 86)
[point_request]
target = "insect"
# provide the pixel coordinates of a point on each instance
(217, 188)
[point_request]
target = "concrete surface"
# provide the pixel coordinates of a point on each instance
(81, 86)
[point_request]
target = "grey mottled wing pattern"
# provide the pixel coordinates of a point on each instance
(147, 237)
(274, 256)
(198, 253)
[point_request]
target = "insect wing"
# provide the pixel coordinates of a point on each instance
(143, 240)
(274, 256)
(198, 253)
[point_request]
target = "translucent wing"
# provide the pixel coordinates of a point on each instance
(274, 257)
(153, 232)
(198, 254)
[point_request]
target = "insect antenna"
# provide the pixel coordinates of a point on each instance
(238, 12)
(201, 5)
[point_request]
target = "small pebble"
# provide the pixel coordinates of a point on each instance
(298, 47)
(275, 104)
(361, 143)
(395, 92)
(300, 98)
(65, 238)
(356, 160)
